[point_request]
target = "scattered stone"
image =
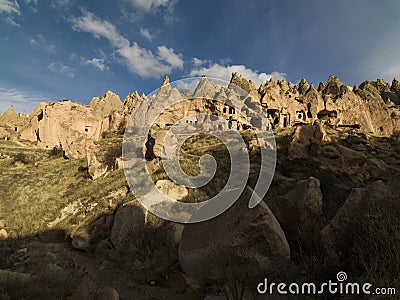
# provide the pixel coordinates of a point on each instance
(171, 189)
(3, 234)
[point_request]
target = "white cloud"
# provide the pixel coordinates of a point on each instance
(23, 101)
(168, 54)
(146, 34)
(10, 8)
(148, 5)
(140, 60)
(99, 28)
(143, 62)
(97, 62)
(199, 62)
(62, 69)
(225, 72)
(164, 8)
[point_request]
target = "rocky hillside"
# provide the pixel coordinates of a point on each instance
(70, 228)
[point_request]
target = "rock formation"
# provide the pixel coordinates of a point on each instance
(70, 125)
(11, 123)
(373, 107)
(241, 245)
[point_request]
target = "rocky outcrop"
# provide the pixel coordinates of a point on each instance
(11, 123)
(106, 104)
(307, 139)
(96, 169)
(70, 125)
(372, 107)
(368, 107)
(245, 84)
(240, 244)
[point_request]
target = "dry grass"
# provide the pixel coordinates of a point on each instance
(33, 193)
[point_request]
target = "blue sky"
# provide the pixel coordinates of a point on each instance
(69, 49)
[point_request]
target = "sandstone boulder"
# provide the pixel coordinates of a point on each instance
(354, 164)
(240, 244)
(295, 203)
(171, 189)
(96, 169)
(307, 140)
(87, 236)
(360, 205)
(134, 226)
(3, 234)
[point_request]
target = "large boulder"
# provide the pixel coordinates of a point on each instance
(87, 236)
(307, 139)
(134, 227)
(361, 206)
(241, 244)
(96, 169)
(295, 203)
(356, 165)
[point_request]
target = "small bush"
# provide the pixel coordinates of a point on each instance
(21, 157)
(57, 152)
(110, 156)
(25, 158)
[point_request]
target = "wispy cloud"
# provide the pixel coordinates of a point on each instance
(198, 62)
(41, 42)
(225, 72)
(99, 28)
(61, 3)
(31, 1)
(33, 7)
(144, 32)
(10, 9)
(140, 60)
(151, 5)
(61, 68)
(23, 101)
(164, 8)
(97, 62)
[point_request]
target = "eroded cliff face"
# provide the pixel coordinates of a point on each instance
(373, 107)
(369, 107)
